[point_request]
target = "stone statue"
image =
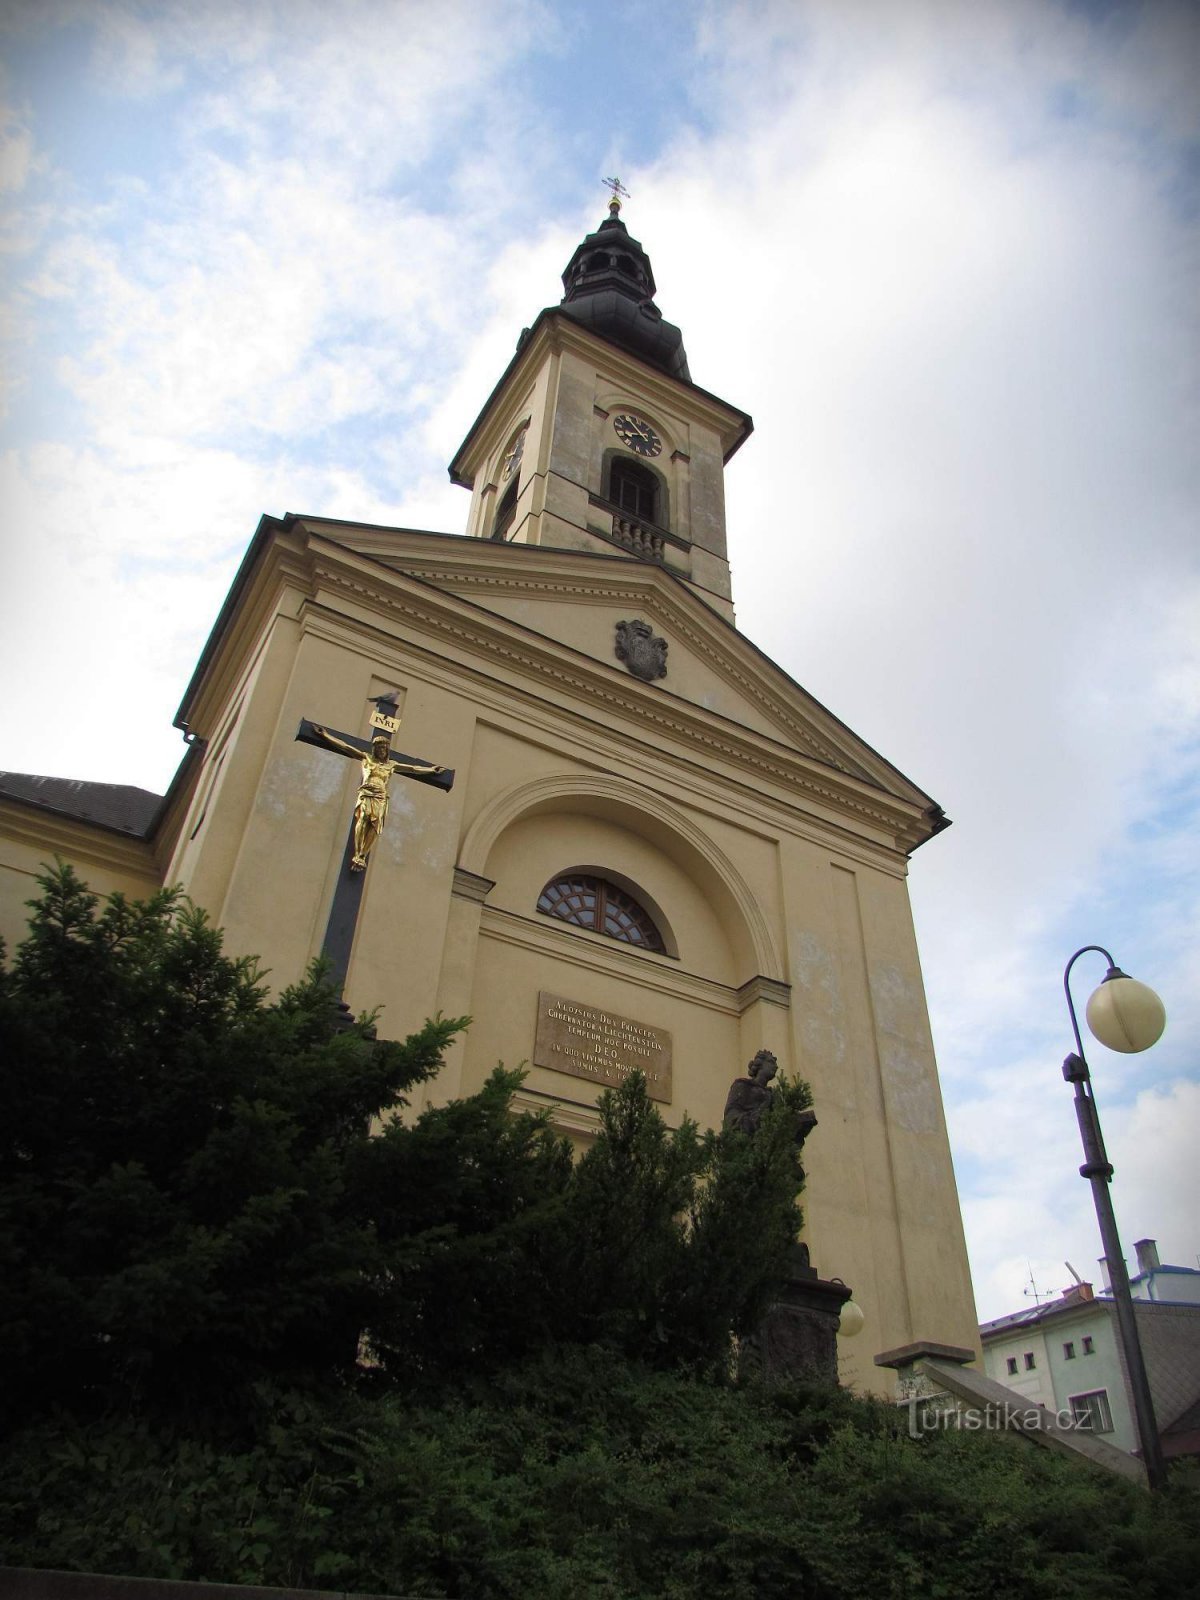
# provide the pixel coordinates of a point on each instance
(750, 1096)
(371, 802)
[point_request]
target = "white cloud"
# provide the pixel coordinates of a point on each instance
(16, 151)
(1023, 1227)
(967, 328)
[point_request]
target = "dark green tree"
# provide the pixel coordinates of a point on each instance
(673, 1239)
(189, 1181)
(201, 1188)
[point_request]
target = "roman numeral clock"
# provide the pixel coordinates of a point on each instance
(639, 436)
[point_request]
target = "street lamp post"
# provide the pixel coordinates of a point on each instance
(1126, 1016)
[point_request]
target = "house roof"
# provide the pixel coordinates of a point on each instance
(121, 807)
(1029, 1316)
(1186, 1422)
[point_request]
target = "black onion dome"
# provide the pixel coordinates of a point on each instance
(610, 289)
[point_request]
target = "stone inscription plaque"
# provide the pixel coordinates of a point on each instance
(599, 1045)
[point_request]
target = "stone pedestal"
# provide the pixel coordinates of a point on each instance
(798, 1336)
(913, 1382)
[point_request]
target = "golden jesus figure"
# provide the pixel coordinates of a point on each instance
(371, 802)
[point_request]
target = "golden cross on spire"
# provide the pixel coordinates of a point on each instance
(618, 189)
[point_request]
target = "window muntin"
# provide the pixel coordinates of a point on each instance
(587, 901)
(1092, 1412)
(634, 488)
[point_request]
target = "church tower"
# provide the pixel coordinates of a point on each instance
(658, 851)
(597, 439)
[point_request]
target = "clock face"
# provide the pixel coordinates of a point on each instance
(638, 435)
(512, 459)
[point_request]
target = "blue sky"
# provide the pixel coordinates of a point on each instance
(272, 257)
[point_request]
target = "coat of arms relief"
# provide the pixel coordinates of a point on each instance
(643, 653)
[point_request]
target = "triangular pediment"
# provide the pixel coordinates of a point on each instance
(576, 600)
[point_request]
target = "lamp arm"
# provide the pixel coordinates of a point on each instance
(1112, 966)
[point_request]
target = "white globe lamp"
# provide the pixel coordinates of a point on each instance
(1124, 1014)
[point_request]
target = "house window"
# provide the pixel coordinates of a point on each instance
(590, 902)
(634, 488)
(1092, 1412)
(1029, 1361)
(1068, 1351)
(1089, 1346)
(1012, 1366)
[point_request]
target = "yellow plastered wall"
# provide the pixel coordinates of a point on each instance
(31, 840)
(780, 887)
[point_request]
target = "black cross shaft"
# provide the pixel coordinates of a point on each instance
(347, 894)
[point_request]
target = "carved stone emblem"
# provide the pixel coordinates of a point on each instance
(642, 653)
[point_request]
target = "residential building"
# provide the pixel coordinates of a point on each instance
(1066, 1354)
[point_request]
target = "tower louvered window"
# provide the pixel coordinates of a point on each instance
(634, 488)
(505, 512)
(594, 903)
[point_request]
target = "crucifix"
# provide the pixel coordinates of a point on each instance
(379, 763)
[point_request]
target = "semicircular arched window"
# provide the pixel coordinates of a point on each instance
(634, 488)
(594, 903)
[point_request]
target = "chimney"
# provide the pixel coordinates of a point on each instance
(1105, 1279)
(1147, 1254)
(1077, 1294)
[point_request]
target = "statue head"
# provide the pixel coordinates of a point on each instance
(380, 746)
(764, 1067)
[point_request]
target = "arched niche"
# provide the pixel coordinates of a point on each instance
(495, 838)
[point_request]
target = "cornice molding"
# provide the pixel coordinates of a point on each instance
(592, 952)
(675, 617)
(45, 830)
(286, 569)
(471, 886)
(566, 1116)
(770, 990)
(545, 722)
(554, 334)
(600, 684)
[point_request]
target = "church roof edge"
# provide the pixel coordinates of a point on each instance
(543, 318)
(266, 525)
(936, 820)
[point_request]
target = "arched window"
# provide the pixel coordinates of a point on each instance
(505, 511)
(589, 902)
(634, 488)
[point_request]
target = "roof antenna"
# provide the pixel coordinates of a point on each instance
(618, 189)
(1032, 1290)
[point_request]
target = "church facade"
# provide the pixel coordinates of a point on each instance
(658, 851)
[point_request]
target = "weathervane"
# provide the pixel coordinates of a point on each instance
(618, 189)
